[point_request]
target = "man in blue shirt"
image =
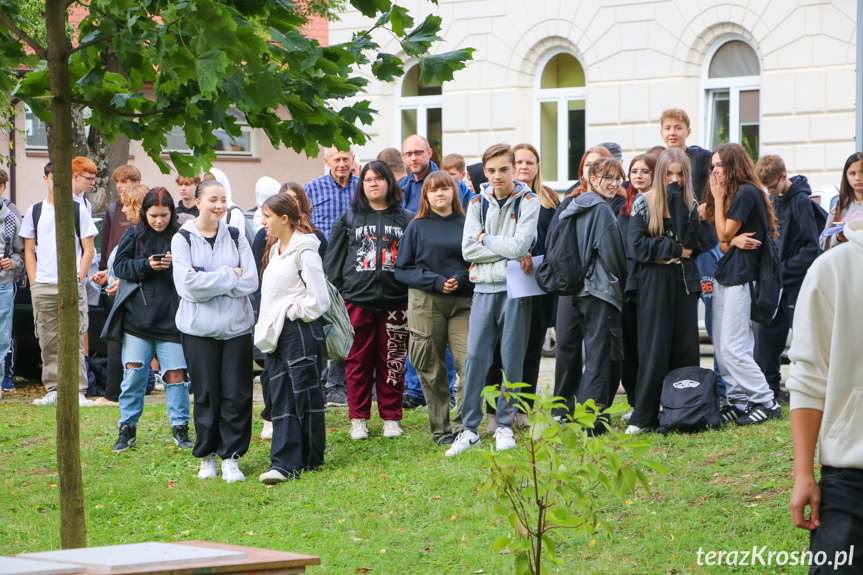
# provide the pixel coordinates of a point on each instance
(331, 194)
(417, 153)
(330, 197)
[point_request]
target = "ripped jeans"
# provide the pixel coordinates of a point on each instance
(138, 351)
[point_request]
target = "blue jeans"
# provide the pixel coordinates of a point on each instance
(170, 356)
(412, 380)
(707, 262)
(7, 309)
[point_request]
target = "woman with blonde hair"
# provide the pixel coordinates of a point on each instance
(431, 264)
(663, 235)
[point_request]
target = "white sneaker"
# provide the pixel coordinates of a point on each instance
(209, 469)
(463, 441)
(267, 431)
(391, 429)
(633, 430)
(160, 384)
(504, 438)
(84, 402)
(231, 470)
(359, 429)
(49, 399)
(272, 477)
(625, 417)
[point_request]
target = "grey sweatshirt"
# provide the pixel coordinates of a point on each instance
(506, 238)
(214, 300)
(16, 247)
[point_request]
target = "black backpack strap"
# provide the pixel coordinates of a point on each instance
(76, 209)
(235, 235)
(37, 213)
(188, 236)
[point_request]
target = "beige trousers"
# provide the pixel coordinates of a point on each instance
(435, 320)
(46, 317)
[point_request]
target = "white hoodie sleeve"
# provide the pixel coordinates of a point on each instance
(316, 301)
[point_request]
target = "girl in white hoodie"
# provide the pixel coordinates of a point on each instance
(293, 297)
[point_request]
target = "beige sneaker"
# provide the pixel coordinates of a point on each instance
(359, 429)
(392, 429)
(267, 431)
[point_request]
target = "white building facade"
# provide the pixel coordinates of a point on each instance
(777, 76)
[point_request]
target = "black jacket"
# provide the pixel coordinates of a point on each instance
(681, 231)
(798, 232)
(430, 254)
(146, 302)
(699, 161)
(361, 257)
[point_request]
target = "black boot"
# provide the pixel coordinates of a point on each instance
(125, 439)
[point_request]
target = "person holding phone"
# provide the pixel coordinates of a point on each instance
(143, 319)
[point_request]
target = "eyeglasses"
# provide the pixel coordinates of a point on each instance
(416, 153)
(86, 177)
(776, 185)
(612, 180)
(370, 181)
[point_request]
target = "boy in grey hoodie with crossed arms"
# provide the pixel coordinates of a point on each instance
(504, 230)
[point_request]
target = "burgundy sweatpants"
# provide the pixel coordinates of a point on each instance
(377, 358)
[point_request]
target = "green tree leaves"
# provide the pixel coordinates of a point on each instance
(183, 65)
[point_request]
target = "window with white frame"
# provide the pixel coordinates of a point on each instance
(245, 145)
(732, 83)
(560, 118)
(420, 110)
(35, 131)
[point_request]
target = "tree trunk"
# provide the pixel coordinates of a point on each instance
(108, 157)
(73, 531)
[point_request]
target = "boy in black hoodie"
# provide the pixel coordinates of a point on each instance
(798, 248)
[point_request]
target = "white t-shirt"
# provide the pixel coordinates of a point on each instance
(84, 202)
(46, 248)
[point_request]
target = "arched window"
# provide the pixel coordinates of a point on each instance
(420, 108)
(560, 118)
(732, 80)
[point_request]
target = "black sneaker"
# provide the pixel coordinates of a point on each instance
(412, 402)
(446, 440)
(730, 413)
(181, 436)
(759, 413)
(337, 397)
(125, 439)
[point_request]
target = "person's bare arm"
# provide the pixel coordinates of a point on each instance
(30, 259)
(805, 424)
(86, 257)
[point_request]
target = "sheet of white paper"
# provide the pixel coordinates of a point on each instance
(520, 285)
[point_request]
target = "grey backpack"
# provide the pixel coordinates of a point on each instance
(338, 331)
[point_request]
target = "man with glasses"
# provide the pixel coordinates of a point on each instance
(798, 248)
(417, 154)
(83, 178)
(330, 196)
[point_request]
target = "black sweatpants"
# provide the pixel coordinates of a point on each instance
(667, 335)
(629, 365)
(770, 339)
(294, 372)
(596, 323)
(221, 379)
(114, 370)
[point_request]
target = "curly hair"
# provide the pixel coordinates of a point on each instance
(739, 170)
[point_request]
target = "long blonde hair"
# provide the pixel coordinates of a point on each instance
(547, 197)
(657, 200)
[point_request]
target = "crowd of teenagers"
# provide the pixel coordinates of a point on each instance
(420, 255)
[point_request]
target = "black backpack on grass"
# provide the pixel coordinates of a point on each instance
(689, 401)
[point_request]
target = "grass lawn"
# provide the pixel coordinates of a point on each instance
(391, 506)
